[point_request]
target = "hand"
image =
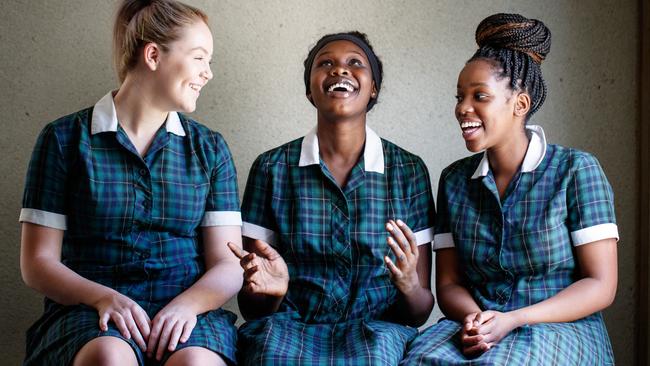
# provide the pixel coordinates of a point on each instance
(129, 318)
(265, 272)
(471, 341)
(494, 325)
(402, 242)
(173, 324)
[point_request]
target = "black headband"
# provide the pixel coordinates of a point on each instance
(372, 59)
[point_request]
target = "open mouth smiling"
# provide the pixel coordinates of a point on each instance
(341, 88)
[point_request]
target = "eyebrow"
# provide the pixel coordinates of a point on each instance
(473, 84)
(200, 48)
(328, 52)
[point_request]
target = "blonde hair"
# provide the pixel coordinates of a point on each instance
(140, 22)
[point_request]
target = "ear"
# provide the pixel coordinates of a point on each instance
(522, 104)
(373, 93)
(151, 55)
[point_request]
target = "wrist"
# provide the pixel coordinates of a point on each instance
(518, 318)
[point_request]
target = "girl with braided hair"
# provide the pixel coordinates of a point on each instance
(526, 233)
(128, 207)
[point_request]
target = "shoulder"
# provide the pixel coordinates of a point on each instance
(199, 132)
(462, 168)
(67, 128)
(569, 159)
(281, 156)
(398, 157)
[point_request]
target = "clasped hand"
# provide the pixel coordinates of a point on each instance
(482, 330)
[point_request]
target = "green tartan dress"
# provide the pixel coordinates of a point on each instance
(333, 241)
(519, 250)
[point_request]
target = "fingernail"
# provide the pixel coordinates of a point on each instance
(389, 227)
(400, 222)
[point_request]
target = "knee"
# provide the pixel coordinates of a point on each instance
(195, 356)
(105, 351)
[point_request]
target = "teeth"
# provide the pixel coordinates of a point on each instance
(347, 86)
(195, 87)
(470, 124)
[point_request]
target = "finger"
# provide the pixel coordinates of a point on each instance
(175, 336)
(266, 250)
(121, 325)
(248, 274)
(154, 336)
(399, 237)
(103, 321)
(470, 340)
(399, 253)
(392, 267)
(468, 321)
(475, 349)
(239, 252)
(133, 329)
(410, 237)
(187, 331)
(484, 317)
(164, 338)
(248, 260)
(143, 322)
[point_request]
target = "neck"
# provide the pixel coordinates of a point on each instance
(506, 158)
(342, 141)
(136, 112)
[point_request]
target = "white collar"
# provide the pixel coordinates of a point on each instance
(373, 153)
(105, 118)
(534, 154)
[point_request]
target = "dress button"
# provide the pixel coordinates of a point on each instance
(143, 172)
(145, 204)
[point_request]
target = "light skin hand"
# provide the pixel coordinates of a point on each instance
(402, 242)
(173, 324)
(129, 318)
(265, 272)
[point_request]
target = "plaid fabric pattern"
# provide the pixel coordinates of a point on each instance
(518, 251)
(132, 222)
(333, 241)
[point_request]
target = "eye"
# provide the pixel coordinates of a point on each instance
(325, 63)
(356, 62)
(459, 98)
(480, 96)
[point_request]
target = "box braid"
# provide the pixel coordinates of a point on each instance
(518, 45)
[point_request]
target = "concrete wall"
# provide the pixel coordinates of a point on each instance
(55, 59)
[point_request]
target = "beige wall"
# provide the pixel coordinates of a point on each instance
(55, 59)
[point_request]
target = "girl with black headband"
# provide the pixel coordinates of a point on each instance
(333, 274)
(526, 233)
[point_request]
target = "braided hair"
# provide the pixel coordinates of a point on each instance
(516, 46)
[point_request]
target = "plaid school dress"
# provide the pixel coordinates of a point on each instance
(130, 223)
(333, 241)
(519, 250)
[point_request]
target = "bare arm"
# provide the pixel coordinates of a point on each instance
(221, 281)
(453, 298)
(42, 270)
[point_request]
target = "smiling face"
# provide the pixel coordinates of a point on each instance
(185, 68)
(341, 81)
(489, 112)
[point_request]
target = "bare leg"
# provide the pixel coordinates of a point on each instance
(195, 356)
(105, 351)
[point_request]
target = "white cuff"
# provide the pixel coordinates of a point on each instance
(424, 236)
(594, 233)
(259, 232)
(221, 218)
(44, 218)
(442, 241)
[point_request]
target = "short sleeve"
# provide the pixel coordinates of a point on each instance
(256, 207)
(590, 203)
(45, 185)
(222, 203)
(422, 211)
(443, 237)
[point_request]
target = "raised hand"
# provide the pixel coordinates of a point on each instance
(265, 272)
(129, 318)
(403, 272)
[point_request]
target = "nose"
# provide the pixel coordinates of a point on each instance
(207, 73)
(339, 69)
(463, 107)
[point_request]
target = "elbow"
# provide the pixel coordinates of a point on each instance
(610, 295)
